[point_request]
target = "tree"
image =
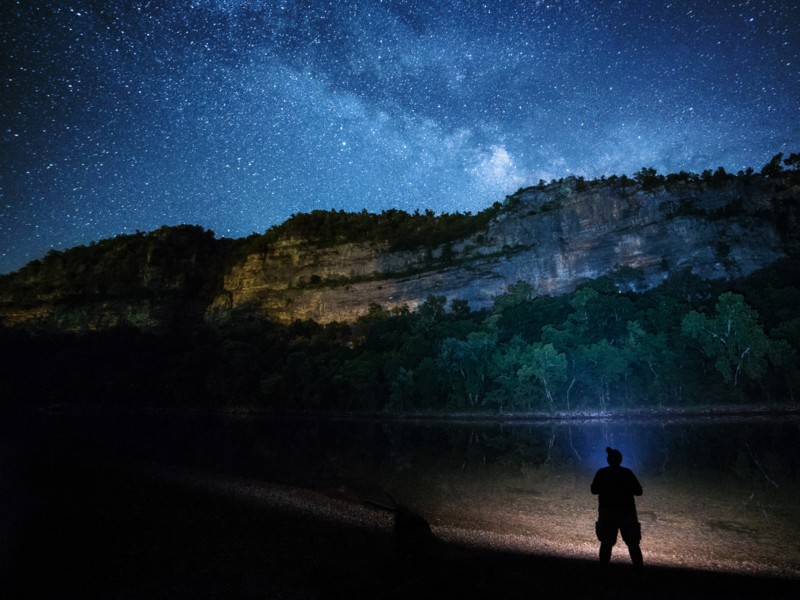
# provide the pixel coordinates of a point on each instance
(460, 308)
(732, 337)
(545, 364)
(582, 302)
(599, 311)
(402, 388)
(467, 362)
(773, 168)
(652, 360)
(649, 178)
(517, 294)
(793, 161)
(504, 365)
(431, 313)
(363, 376)
(429, 383)
(719, 177)
(601, 364)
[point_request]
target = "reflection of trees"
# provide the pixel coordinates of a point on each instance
(760, 468)
(475, 451)
(571, 445)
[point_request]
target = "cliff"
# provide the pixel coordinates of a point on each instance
(553, 237)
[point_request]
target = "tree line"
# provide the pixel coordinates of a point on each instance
(685, 343)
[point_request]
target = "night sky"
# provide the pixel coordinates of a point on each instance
(234, 114)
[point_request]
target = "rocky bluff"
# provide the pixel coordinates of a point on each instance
(554, 237)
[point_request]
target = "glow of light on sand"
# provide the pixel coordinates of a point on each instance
(689, 520)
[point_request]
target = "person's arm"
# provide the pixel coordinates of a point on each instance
(595, 484)
(636, 487)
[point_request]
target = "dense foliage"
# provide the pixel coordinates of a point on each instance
(687, 342)
(396, 228)
(171, 260)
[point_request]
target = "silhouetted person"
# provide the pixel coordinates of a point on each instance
(616, 487)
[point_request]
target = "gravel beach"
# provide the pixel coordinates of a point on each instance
(83, 528)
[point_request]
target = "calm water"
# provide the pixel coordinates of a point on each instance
(718, 493)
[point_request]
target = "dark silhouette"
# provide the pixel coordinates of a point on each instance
(412, 536)
(616, 487)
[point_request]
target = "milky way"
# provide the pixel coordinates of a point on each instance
(234, 114)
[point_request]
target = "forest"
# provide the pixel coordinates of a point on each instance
(689, 342)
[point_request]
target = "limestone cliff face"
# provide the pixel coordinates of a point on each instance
(295, 281)
(553, 237)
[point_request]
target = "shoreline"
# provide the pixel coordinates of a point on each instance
(87, 524)
(96, 531)
(342, 509)
(643, 414)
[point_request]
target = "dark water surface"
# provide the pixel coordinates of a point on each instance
(719, 493)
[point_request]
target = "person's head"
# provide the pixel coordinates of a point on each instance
(614, 457)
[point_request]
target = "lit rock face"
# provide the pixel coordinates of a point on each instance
(553, 239)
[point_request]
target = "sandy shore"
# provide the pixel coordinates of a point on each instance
(85, 529)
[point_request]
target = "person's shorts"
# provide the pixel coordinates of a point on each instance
(612, 521)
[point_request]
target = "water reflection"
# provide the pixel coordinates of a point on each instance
(719, 493)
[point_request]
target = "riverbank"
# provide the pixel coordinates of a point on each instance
(77, 527)
(578, 415)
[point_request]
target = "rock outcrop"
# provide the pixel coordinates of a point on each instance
(553, 237)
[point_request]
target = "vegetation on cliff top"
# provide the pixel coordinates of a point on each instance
(171, 261)
(397, 229)
(400, 230)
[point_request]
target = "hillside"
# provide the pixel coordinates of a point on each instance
(333, 266)
(655, 291)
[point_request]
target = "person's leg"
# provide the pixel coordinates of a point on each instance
(636, 555)
(606, 530)
(631, 532)
(605, 553)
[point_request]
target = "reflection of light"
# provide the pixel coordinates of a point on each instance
(596, 436)
(658, 551)
(689, 520)
(690, 517)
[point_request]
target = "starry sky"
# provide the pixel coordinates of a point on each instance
(120, 116)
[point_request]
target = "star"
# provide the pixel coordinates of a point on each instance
(234, 115)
